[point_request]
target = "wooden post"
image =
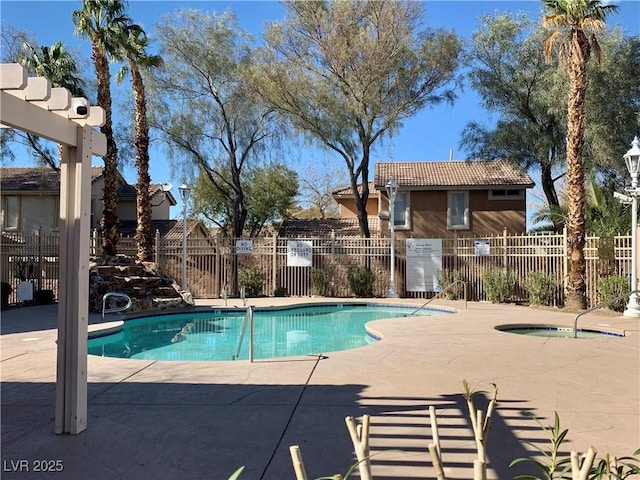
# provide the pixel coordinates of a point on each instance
(73, 306)
(156, 249)
(274, 264)
(505, 259)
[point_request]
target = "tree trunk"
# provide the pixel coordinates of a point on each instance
(144, 236)
(109, 221)
(576, 226)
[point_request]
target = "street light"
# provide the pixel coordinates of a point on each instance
(632, 159)
(392, 191)
(184, 194)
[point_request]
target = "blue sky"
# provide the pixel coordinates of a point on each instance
(430, 135)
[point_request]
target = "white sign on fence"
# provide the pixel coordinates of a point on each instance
(244, 247)
(482, 247)
(299, 253)
(25, 291)
(424, 261)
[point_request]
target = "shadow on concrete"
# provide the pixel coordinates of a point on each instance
(206, 431)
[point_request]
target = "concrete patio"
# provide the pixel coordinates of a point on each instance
(203, 420)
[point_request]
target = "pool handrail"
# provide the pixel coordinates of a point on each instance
(248, 319)
(443, 291)
(600, 305)
(123, 296)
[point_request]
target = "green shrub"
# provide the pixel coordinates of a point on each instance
(321, 281)
(612, 287)
(447, 277)
(540, 288)
(5, 291)
(360, 281)
(499, 284)
(252, 280)
(280, 292)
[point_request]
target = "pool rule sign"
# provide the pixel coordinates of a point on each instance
(299, 253)
(424, 261)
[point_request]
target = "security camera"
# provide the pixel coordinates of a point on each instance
(622, 198)
(80, 108)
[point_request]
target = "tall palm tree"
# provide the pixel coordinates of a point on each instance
(102, 21)
(134, 49)
(575, 24)
(57, 65)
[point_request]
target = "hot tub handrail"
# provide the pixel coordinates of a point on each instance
(600, 305)
(115, 309)
(443, 291)
(248, 319)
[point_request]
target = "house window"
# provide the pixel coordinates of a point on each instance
(11, 218)
(506, 194)
(401, 216)
(458, 210)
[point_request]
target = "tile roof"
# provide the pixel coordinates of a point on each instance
(169, 229)
(322, 227)
(29, 179)
(452, 174)
(45, 179)
(345, 190)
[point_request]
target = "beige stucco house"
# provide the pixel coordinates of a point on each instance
(30, 199)
(436, 199)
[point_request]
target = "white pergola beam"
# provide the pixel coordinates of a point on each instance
(60, 99)
(33, 107)
(22, 115)
(12, 76)
(73, 305)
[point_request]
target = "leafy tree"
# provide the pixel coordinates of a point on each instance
(102, 22)
(203, 107)
(346, 73)
(269, 191)
(58, 65)
(572, 21)
(509, 72)
(133, 48)
(316, 194)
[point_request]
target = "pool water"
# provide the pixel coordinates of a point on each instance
(283, 332)
(557, 332)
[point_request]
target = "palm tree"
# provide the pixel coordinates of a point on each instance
(58, 66)
(134, 49)
(572, 21)
(102, 22)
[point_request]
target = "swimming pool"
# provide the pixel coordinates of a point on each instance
(554, 331)
(214, 335)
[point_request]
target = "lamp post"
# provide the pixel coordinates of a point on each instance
(632, 159)
(392, 191)
(184, 194)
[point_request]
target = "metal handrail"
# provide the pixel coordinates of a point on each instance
(443, 291)
(115, 309)
(248, 319)
(603, 304)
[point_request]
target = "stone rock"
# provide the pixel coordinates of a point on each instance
(144, 283)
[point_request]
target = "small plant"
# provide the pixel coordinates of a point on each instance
(360, 281)
(499, 284)
(612, 287)
(25, 268)
(451, 278)
(5, 291)
(553, 466)
(616, 468)
(280, 292)
(321, 281)
(252, 280)
(540, 287)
